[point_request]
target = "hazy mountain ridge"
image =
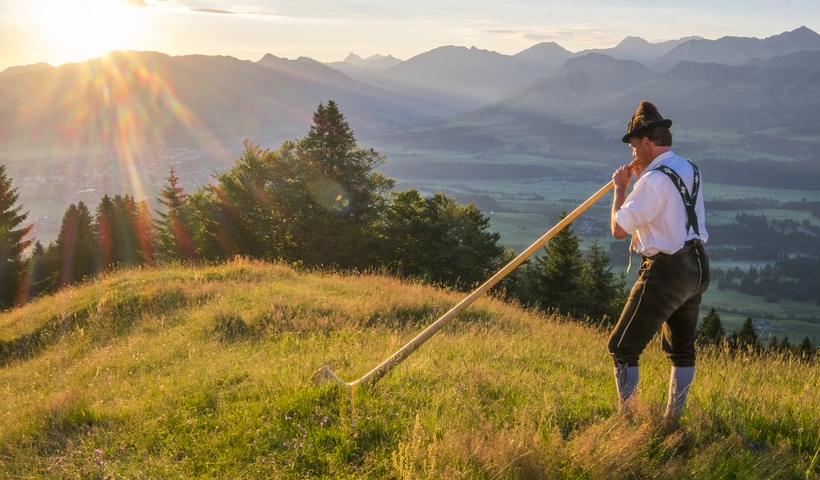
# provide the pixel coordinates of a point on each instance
(25, 69)
(545, 57)
(152, 97)
(738, 50)
(473, 74)
(375, 62)
(638, 49)
(155, 98)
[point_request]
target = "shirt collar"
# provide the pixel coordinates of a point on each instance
(660, 158)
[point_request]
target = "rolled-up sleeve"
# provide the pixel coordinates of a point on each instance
(640, 207)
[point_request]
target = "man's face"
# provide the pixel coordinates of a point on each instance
(641, 150)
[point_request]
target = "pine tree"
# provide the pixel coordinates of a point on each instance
(711, 331)
(746, 339)
(75, 246)
(105, 234)
(806, 350)
(772, 347)
(127, 239)
(145, 234)
(36, 272)
(174, 226)
(603, 293)
(785, 347)
(12, 243)
(558, 272)
(345, 196)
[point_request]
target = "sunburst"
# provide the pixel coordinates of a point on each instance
(80, 29)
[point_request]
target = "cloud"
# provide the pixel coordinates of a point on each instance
(586, 33)
(212, 10)
(144, 3)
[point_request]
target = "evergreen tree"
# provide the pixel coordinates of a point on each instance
(174, 226)
(806, 350)
(785, 347)
(772, 347)
(105, 234)
(316, 201)
(145, 233)
(123, 232)
(12, 243)
(345, 196)
(257, 205)
(127, 239)
(603, 293)
(558, 272)
(746, 339)
(711, 331)
(75, 246)
(35, 272)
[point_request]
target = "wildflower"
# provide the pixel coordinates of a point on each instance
(98, 451)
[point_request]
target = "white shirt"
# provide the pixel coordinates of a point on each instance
(654, 211)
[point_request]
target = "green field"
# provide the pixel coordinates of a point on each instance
(206, 372)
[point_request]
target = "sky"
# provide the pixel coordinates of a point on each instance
(64, 31)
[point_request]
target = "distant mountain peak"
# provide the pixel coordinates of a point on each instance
(269, 57)
(353, 58)
(377, 61)
(633, 41)
(801, 33)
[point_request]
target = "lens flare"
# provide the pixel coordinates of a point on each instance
(330, 195)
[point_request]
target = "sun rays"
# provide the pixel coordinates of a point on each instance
(81, 29)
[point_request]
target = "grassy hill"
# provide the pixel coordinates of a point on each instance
(205, 372)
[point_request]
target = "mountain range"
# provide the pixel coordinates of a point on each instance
(130, 98)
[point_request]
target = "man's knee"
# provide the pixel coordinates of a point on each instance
(621, 356)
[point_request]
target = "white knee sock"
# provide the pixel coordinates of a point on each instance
(679, 382)
(626, 379)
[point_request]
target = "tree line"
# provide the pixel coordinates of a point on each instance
(789, 278)
(316, 202)
(759, 239)
(711, 333)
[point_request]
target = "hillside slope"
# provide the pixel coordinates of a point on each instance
(206, 372)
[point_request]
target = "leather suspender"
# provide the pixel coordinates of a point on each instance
(688, 200)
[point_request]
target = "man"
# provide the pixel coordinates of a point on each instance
(664, 214)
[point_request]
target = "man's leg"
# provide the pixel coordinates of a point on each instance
(641, 318)
(680, 381)
(679, 345)
(626, 380)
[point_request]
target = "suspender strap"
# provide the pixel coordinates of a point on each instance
(688, 200)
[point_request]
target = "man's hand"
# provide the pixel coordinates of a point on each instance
(622, 178)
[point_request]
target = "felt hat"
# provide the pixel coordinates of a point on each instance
(645, 119)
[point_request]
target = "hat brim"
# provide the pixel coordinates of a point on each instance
(644, 129)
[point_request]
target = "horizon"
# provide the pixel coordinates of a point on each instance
(70, 31)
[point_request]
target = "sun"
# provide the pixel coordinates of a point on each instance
(80, 29)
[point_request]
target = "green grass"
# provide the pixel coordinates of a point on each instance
(206, 373)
